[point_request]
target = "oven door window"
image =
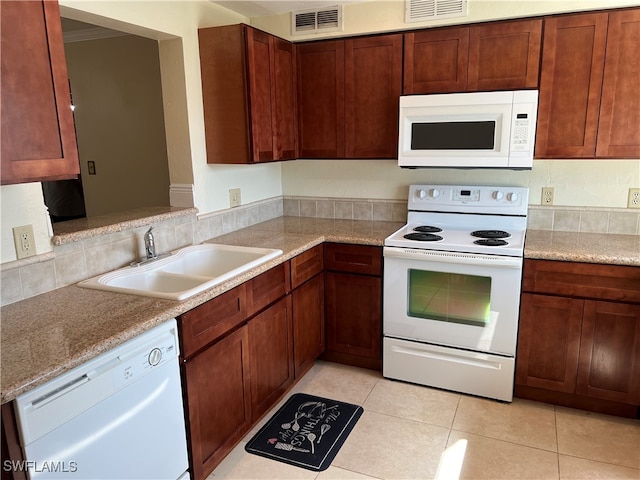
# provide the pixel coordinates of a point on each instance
(449, 297)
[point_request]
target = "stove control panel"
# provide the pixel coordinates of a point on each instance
(469, 199)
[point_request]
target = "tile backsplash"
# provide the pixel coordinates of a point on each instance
(584, 219)
(72, 262)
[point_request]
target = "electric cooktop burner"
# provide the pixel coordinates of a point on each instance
(423, 237)
(427, 229)
(491, 242)
(490, 234)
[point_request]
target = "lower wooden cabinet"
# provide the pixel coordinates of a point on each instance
(609, 364)
(308, 324)
(218, 395)
(271, 357)
(579, 336)
(353, 305)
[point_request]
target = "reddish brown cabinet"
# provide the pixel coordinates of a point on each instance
(218, 400)
(492, 56)
(271, 356)
(38, 132)
(589, 101)
(307, 297)
(353, 304)
(579, 336)
(435, 61)
(248, 91)
(348, 94)
(618, 132)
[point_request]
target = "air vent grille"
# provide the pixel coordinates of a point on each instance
(309, 21)
(418, 10)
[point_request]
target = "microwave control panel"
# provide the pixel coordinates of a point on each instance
(523, 126)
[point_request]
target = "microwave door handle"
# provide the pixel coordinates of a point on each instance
(453, 257)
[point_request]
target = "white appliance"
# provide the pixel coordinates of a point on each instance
(452, 279)
(468, 130)
(119, 416)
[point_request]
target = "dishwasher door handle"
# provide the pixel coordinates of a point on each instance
(61, 390)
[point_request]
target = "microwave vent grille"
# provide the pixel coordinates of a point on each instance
(418, 10)
(316, 21)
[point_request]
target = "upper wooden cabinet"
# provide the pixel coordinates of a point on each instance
(492, 56)
(435, 61)
(619, 127)
(589, 101)
(38, 132)
(248, 91)
(348, 97)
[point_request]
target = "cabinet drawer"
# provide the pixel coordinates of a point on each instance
(586, 280)
(267, 287)
(353, 258)
(212, 320)
(305, 266)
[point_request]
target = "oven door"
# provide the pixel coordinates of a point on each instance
(468, 301)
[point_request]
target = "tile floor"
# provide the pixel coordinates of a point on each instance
(413, 432)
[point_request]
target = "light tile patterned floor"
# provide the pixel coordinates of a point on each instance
(413, 432)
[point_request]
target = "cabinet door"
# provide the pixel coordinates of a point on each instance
(354, 320)
(571, 85)
(320, 74)
(271, 356)
(610, 352)
(619, 131)
(435, 61)
(38, 132)
(308, 323)
(218, 401)
(285, 120)
(548, 342)
(261, 93)
(373, 69)
(225, 94)
(504, 55)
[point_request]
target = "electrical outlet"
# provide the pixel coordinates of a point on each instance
(25, 241)
(634, 198)
(547, 195)
(234, 197)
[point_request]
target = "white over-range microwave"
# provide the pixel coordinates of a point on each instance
(468, 130)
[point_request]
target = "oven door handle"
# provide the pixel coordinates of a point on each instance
(452, 257)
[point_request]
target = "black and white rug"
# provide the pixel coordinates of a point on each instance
(307, 431)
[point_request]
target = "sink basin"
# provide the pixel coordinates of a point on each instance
(186, 272)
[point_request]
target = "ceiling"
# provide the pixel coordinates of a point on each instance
(274, 7)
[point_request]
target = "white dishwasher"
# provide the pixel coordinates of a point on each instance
(118, 416)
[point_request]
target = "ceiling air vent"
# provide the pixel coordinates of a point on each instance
(315, 21)
(418, 10)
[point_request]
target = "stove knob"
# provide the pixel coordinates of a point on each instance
(433, 193)
(512, 197)
(497, 195)
(421, 193)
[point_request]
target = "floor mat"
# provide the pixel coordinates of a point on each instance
(307, 431)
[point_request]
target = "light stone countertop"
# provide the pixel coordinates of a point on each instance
(46, 335)
(613, 249)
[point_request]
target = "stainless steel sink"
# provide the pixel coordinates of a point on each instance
(186, 272)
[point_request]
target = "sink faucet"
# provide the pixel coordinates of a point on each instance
(149, 244)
